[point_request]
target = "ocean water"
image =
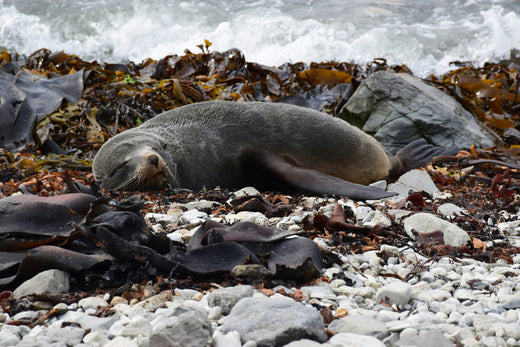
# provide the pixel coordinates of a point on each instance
(426, 35)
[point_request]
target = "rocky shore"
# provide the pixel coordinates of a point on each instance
(436, 265)
(402, 291)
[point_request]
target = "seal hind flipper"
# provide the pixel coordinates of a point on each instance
(418, 154)
(281, 171)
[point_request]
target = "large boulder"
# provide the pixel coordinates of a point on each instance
(274, 321)
(397, 108)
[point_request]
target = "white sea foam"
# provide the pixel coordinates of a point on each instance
(425, 35)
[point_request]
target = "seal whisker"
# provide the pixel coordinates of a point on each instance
(171, 175)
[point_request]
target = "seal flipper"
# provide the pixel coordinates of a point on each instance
(418, 154)
(274, 171)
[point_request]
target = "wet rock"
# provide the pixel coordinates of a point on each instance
(191, 329)
(226, 298)
(46, 282)
(397, 292)
(359, 325)
(423, 223)
(415, 181)
(274, 321)
(399, 108)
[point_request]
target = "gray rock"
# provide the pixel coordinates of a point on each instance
(425, 339)
(163, 219)
(246, 191)
(199, 204)
(72, 335)
(89, 322)
(413, 180)
(376, 217)
(191, 329)
(252, 271)
(399, 108)
(354, 340)
(226, 298)
(231, 339)
(120, 341)
(493, 341)
(193, 216)
(448, 210)
(137, 326)
(397, 292)
(307, 343)
(98, 337)
(318, 292)
(426, 223)
(359, 325)
(9, 338)
(247, 216)
(274, 321)
(92, 302)
(513, 303)
(46, 282)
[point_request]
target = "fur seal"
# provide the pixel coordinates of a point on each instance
(268, 145)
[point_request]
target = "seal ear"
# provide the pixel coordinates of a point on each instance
(281, 171)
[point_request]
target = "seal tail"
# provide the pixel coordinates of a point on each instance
(418, 154)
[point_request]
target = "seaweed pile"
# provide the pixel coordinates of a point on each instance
(116, 97)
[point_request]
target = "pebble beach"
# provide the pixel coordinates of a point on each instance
(388, 296)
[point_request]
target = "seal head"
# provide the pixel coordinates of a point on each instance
(136, 163)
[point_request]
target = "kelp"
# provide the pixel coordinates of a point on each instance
(76, 232)
(490, 93)
(27, 98)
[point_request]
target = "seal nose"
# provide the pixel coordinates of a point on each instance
(154, 160)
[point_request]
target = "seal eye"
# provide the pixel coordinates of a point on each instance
(154, 160)
(122, 164)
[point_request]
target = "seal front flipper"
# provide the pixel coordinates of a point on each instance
(418, 154)
(269, 170)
